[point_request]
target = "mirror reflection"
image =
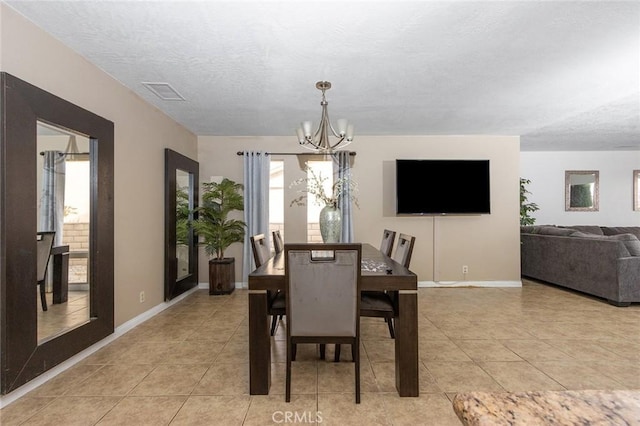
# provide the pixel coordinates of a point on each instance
(183, 209)
(636, 190)
(581, 190)
(181, 198)
(63, 188)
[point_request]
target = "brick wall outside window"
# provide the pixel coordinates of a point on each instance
(76, 236)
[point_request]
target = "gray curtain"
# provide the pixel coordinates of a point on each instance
(256, 203)
(52, 197)
(344, 202)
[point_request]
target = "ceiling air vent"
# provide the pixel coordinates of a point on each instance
(164, 91)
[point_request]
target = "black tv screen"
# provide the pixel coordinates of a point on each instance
(443, 187)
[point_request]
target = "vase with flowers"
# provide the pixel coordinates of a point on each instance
(327, 196)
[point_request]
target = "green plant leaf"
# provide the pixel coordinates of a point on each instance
(216, 231)
(526, 208)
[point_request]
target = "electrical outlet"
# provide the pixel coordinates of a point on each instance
(142, 297)
(465, 269)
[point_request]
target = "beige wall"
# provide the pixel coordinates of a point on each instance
(141, 134)
(488, 244)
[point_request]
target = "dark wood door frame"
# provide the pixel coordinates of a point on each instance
(22, 105)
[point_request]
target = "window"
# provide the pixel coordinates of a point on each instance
(276, 197)
(322, 169)
(76, 219)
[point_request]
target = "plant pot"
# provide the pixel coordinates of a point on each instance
(222, 275)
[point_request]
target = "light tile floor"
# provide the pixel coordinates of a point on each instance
(189, 364)
(62, 317)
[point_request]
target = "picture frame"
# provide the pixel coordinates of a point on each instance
(582, 190)
(636, 190)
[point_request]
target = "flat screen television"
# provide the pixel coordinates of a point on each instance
(434, 187)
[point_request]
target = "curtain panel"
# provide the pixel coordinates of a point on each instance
(256, 204)
(341, 158)
(52, 198)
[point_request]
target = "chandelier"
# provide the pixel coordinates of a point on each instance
(319, 140)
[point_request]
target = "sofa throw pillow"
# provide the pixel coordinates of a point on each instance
(581, 234)
(630, 241)
(552, 230)
(615, 230)
(589, 229)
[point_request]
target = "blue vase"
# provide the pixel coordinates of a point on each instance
(330, 224)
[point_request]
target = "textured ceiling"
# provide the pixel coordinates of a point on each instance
(563, 75)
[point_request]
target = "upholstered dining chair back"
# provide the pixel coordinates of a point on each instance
(323, 284)
(404, 249)
(278, 244)
(387, 241)
(260, 248)
(44, 243)
(323, 299)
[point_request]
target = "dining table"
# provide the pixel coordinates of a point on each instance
(379, 272)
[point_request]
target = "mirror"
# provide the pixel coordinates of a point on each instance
(581, 190)
(181, 198)
(64, 207)
(184, 205)
(636, 190)
(26, 112)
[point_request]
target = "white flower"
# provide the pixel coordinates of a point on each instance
(314, 185)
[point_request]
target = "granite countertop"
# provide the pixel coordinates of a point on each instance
(588, 407)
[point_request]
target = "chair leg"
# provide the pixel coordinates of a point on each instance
(274, 324)
(390, 324)
(322, 350)
(290, 355)
(43, 297)
(356, 346)
(336, 357)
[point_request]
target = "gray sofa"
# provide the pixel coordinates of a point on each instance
(600, 261)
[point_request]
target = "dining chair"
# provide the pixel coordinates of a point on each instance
(278, 244)
(387, 241)
(404, 250)
(276, 300)
(379, 304)
(323, 299)
(383, 304)
(44, 244)
(260, 249)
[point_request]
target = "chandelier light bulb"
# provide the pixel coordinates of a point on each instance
(342, 126)
(307, 126)
(350, 132)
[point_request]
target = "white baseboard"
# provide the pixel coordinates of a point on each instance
(435, 284)
(445, 284)
(119, 331)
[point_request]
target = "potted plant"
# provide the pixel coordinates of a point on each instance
(218, 231)
(526, 208)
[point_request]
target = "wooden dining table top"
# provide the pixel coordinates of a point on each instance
(379, 272)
